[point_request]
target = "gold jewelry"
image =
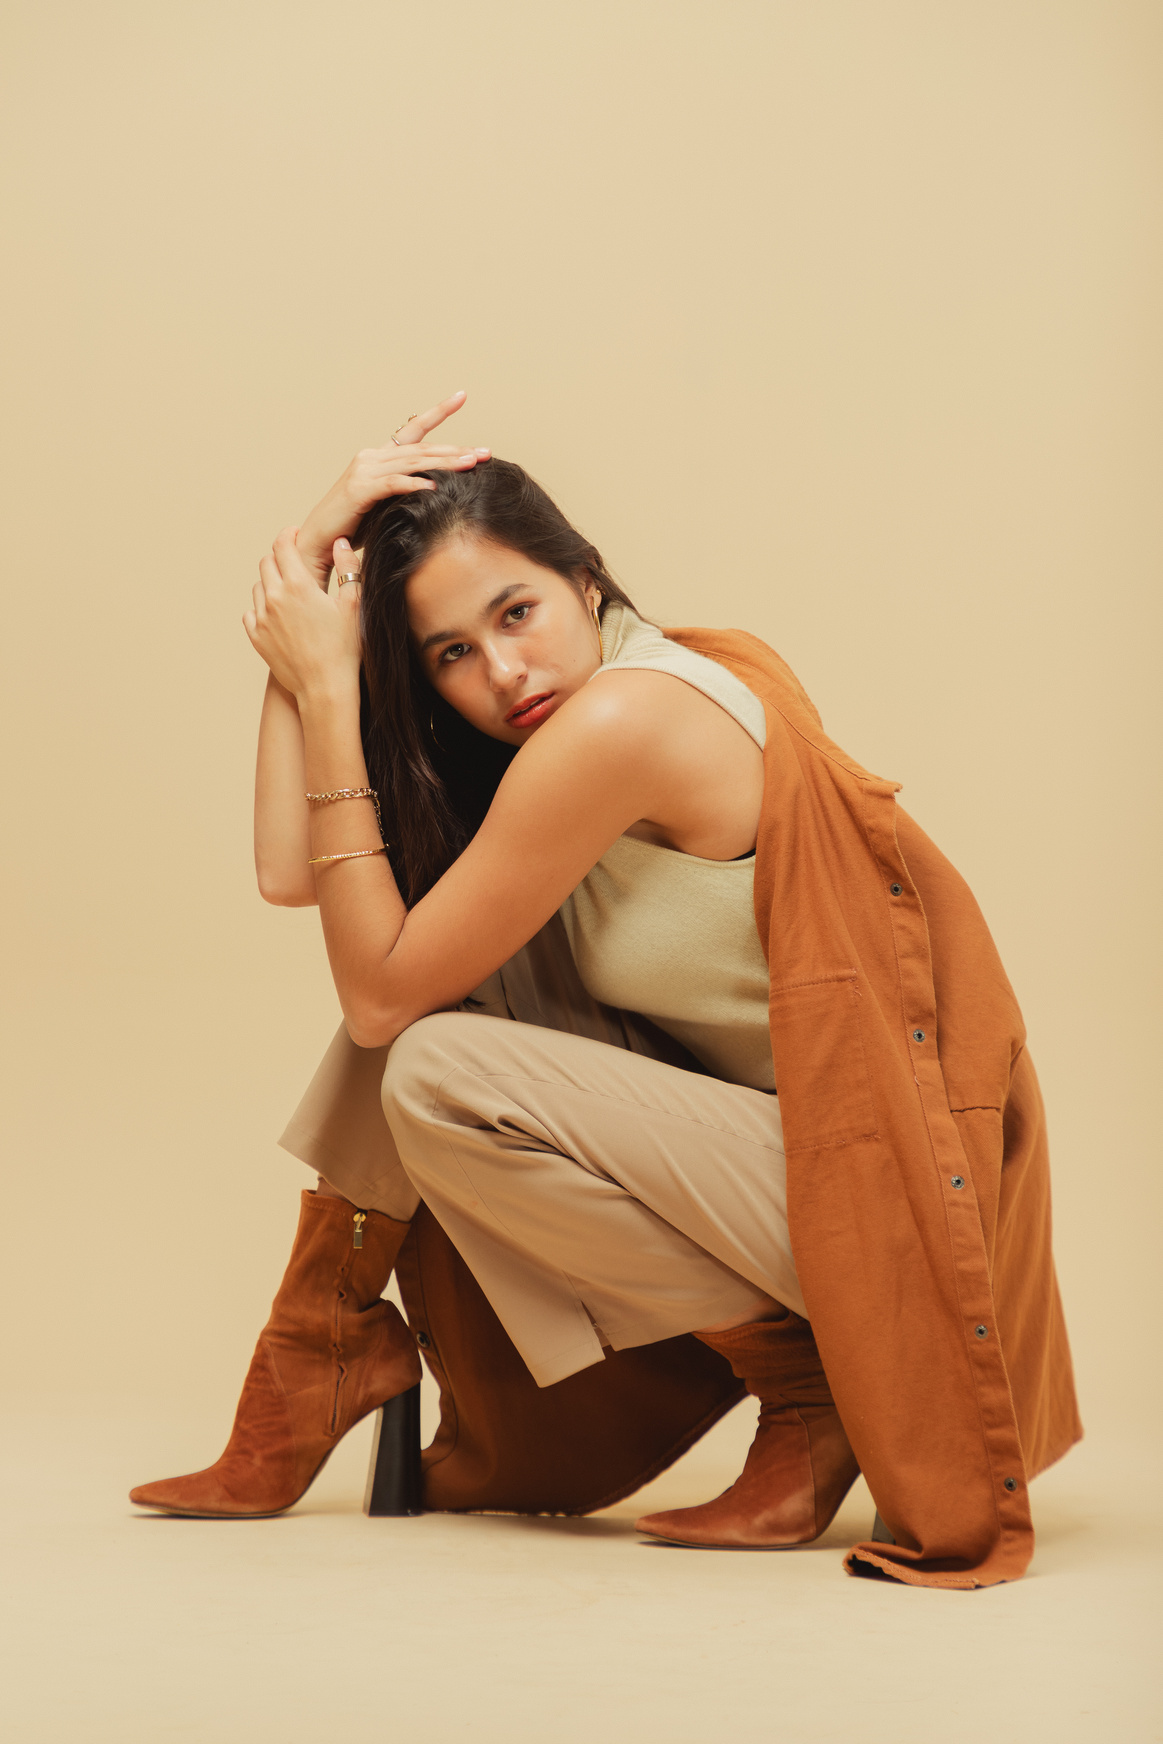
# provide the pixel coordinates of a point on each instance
(342, 793)
(348, 793)
(597, 620)
(346, 575)
(355, 854)
(399, 427)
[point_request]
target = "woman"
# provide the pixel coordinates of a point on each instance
(724, 872)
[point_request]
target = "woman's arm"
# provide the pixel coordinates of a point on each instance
(281, 821)
(630, 748)
(592, 771)
(282, 827)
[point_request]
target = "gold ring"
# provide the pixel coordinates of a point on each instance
(399, 427)
(344, 579)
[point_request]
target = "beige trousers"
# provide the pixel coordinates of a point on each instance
(587, 1186)
(595, 1191)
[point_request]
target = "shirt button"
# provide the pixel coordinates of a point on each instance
(981, 1331)
(918, 1035)
(957, 1181)
(1011, 1483)
(896, 889)
(423, 1340)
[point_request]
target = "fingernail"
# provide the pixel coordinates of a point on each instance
(484, 451)
(343, 545)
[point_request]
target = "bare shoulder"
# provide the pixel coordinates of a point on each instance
(654, 715)
(639, 751)
(638, 745)
(633, 708)
(615, 746)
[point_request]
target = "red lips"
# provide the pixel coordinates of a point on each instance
(531, 711)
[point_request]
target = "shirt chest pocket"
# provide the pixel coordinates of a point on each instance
(821, 1073)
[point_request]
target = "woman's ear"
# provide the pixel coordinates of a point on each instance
(592, 596)
(591, 592)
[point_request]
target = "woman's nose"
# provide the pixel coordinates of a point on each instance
(505, 668)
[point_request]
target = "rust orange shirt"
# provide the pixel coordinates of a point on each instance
(918, 1179)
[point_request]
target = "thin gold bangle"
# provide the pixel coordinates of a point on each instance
(355, 854)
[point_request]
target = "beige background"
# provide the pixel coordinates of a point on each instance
(837, 322)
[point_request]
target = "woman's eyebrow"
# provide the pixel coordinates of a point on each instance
(498, 599)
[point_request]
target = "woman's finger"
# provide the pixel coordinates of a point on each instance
(280, 553)
(348, 596)
(397, 484)
(451, 463)
(393, 452)
(390, 459)
(400, 483)
(396, 480)
(270, 578)
(289, 558)
(417, 427)
(415, 459)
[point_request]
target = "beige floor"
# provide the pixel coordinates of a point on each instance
(122, 1628)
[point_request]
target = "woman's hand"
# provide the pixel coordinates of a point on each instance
(376, 473)
(309, 640)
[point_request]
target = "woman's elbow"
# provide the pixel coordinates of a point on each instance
(286, 892)
(371, 1025)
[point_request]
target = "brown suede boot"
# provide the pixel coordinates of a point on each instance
(799, 1467)
(330, 1353)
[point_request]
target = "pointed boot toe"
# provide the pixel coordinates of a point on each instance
(701, 1528)
(331, 1353)
(258, 1472)
(798, 1471)
(163, 1495)
(675, 1527)
(800, 1466)
(199, 1494)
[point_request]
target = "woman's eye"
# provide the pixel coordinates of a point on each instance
(454, 652)
(517, 612)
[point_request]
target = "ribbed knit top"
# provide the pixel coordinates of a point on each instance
(668, 934)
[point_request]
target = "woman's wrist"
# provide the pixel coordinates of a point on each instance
(332, 756)
(280, 690)
(328, 698)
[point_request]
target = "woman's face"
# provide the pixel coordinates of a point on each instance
(503, 640)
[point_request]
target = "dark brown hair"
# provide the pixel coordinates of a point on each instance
(436, 774)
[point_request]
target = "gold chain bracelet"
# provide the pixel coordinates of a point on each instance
(348, 793)
(354, 854)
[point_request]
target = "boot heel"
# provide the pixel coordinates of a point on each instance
(393, 1475)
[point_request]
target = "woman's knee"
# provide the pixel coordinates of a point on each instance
(419, 1058)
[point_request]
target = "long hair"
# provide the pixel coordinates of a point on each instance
(435, 773)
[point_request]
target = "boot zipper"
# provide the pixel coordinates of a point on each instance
(359, 1218)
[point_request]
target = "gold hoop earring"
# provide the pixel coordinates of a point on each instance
(597, 619)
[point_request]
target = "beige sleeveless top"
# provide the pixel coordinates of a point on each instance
(668, 934)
